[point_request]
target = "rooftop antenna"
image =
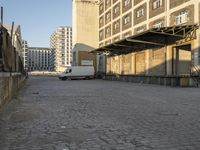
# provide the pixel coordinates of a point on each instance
(11, 33)
(1, 16)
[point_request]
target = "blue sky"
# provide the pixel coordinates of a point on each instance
(38, 18)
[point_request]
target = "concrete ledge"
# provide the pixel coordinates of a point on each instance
(9, 85)
(181, 81)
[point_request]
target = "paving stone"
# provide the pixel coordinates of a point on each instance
(50, 114)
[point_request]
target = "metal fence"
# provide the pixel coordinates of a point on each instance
(10, 60)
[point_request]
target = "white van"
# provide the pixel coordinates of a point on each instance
(77, 72)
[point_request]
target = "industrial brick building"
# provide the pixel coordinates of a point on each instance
(147, 39)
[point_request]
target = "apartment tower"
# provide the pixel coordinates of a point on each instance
(25, 54)
(61, 42)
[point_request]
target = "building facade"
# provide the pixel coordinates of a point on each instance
(25, 55)
(61, 42)
(120, 19)
(16, 38)
(85, 31)
(40, 59)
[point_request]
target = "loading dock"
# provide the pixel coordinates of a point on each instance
(160, 55)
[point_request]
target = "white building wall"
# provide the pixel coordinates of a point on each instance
(61, 42)
(40, 59)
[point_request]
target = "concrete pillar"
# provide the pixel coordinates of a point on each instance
(133, 63)
(147, 61)
(177, 62)
(120, 64)
(169, 50)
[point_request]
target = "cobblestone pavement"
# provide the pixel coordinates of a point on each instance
(50, 114)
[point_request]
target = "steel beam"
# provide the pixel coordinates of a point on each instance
(145, 42)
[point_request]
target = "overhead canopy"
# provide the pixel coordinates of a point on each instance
(152, 38)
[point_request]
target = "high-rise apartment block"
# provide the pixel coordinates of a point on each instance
(25, 54)
(40, 59)
(61, 42)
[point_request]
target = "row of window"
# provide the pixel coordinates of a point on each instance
(181, 18)
(127, 4)
(116, 12)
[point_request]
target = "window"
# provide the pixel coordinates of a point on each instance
(181, 18)
(126, 19)
(157, 4)
(126, 2)
(116, 10)
(116, 25)
(101, 21)
(108, 31)
(108, 16)
(101, 34)
(108, 2)
(140, 12)
(127, 35)
(101, 7)
(140, 29)
(158, 24)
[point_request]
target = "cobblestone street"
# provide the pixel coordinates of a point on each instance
(49, 114)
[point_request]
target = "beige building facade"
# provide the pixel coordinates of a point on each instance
(120, 19)
(85, 31)
(85, 22)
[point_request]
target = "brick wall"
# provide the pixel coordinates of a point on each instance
(127, 7)
(153, 12)
(127, 34)
(140, 28)
(137, 2)
(101, 21)
(117, 38)
(101, 8)
(157, 20)
(83, 55)
(115, 15)
(138, 20)
(128, 25)
(174, 3)
(101, 35)
(107, 4)
(117, 30)
(156, 62)
(140, 63)
(108, 31)
(188, 9)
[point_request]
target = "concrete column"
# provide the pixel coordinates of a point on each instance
(147, 63)
(177, 62)
(133, 63)
(120, 64)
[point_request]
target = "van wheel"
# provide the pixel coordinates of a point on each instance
(64, 78)
(68, 78)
